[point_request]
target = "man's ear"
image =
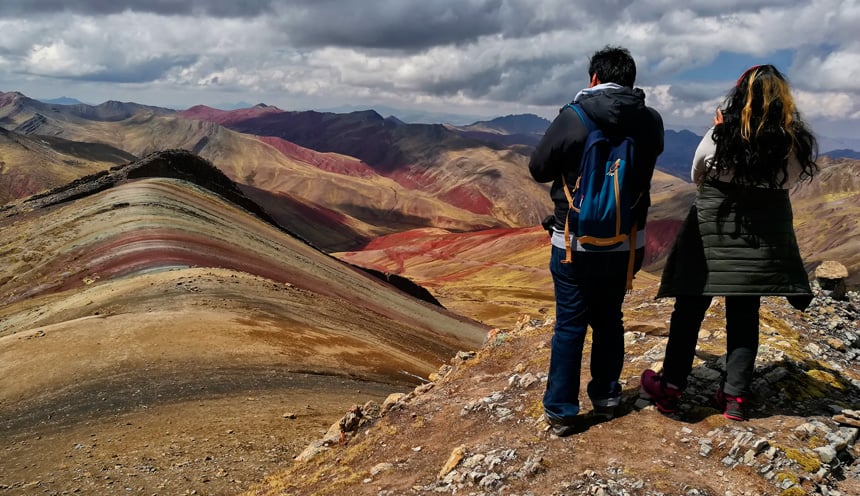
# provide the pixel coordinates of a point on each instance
(594, 81)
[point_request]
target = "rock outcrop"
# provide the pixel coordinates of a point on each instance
(831, 277)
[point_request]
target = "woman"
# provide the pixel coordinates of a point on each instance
(738, 240)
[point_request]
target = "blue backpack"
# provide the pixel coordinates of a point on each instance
(602, 198)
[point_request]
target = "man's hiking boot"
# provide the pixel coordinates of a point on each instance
(665, 397)
(564, 428)
(733, 407)
(603, 413)
(605, 408)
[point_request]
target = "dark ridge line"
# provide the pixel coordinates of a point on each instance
(404, 284)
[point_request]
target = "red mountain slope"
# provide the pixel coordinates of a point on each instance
(466, 173)
(204, 113)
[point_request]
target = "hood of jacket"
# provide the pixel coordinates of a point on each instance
(619, 110)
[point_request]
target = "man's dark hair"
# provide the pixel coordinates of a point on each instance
(613, 65)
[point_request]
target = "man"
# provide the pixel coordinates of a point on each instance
(590, 289)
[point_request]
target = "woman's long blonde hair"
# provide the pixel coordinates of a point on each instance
(761, 129)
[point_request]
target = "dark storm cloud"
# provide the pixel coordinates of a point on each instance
(655, 10)
(475, 85)
(536, 82)
(393, 24)
(419, 24)
(229, 8)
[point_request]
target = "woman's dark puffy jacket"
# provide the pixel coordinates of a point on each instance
(737, 240)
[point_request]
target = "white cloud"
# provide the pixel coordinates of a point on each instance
(58, 59)
(827, 105)
(838, 70)
(495, 55)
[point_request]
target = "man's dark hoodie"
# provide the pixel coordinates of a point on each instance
(618, 112)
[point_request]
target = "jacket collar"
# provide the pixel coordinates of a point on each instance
(595, 89)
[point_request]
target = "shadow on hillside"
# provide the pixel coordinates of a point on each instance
(784, 387)
(390, 218)
(399, 221)
(323, 228)
(493, 174)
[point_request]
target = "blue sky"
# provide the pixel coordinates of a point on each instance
(475, 57)
(735, 63)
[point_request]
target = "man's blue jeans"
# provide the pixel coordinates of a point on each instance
(588, 291)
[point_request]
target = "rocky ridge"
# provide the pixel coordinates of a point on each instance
(477, 427)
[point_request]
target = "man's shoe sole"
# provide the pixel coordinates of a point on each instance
(578, 425)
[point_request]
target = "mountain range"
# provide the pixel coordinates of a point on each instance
(339, 181)
(191, 293)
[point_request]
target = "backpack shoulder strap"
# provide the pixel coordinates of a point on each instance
(590, 126)
(583, 116)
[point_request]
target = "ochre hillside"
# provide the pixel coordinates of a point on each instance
(30, 164)
(142, 314)
(825, 216)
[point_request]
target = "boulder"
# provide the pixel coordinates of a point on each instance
(831, 277)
